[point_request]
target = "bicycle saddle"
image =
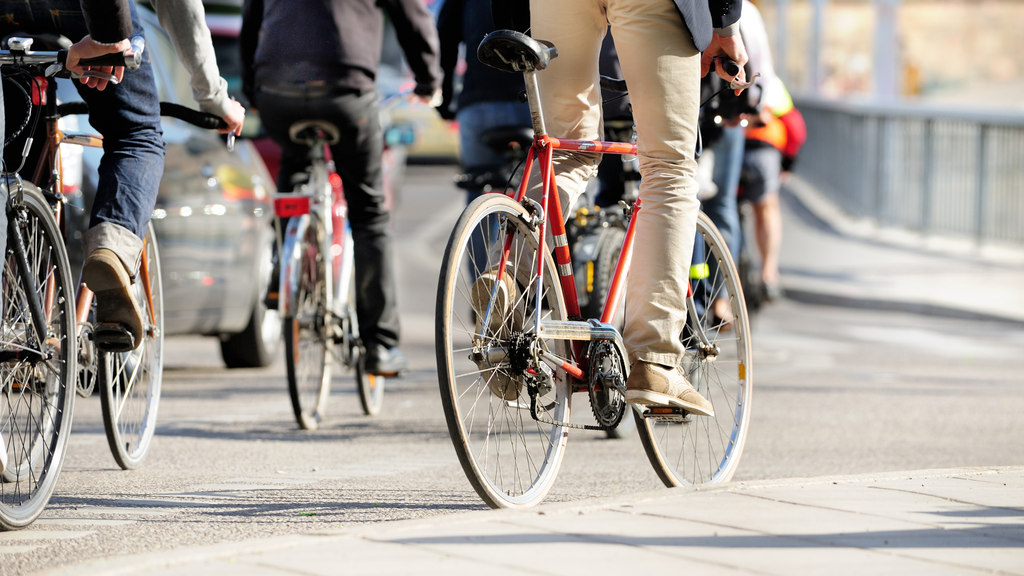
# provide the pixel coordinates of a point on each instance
(500, 137)
(305, 131)
(511, 51)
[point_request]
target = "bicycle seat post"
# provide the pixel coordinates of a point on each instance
(533, 98)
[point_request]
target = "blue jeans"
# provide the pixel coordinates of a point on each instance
(478, 118)
(474, 120)
(127, 115)
(721, 207)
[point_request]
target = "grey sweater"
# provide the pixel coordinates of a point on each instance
(185, 23)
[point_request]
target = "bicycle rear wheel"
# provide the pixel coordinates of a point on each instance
(511, 458)
(38, 371)
(131, 380)
(699, 449)
(306, 332)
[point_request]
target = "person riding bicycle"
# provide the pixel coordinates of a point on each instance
(488, 99)
(659, 45)
(127, 114)
(312, 59)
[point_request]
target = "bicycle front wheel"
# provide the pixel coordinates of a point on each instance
(306, 332)
(131, 380)
(38, 372)
(510, 457)
(700, 449)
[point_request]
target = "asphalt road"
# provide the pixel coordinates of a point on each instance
(837, 391)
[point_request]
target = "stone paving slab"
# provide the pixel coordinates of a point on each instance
(960, 521)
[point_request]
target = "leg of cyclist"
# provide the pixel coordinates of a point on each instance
(721, 207)
(662, 68)
(128, 116)
(762, 169)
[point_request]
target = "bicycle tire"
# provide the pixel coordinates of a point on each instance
(306, 338)
(36, 399)
(131, 381)
(701, 449)
(510, 459)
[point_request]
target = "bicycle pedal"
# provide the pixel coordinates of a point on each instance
(113, 337)
(666, 414)
(271, 300)
(397, 374)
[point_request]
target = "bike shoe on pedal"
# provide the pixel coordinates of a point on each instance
(504, 299)
(651, 383)
(384, 361)
(106, 275)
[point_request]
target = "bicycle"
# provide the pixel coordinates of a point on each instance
(506, 382)
(46, 321)
(316, 294)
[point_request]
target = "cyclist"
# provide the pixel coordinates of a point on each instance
(306, 59)
(489, 98)
(662, 63)
(128, 116)
(773, 140)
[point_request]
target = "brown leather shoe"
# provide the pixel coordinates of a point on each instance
(651, 383)
(107, 277)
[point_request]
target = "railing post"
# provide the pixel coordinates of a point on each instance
(881, 182)
(981, 202)
(927, 178)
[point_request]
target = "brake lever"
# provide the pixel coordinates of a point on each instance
(737, 85)
(231, 141)
(96, 74)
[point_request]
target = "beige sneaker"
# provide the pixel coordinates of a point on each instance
(506, 295)
(651, 383)
(503, 322)
(105, 275)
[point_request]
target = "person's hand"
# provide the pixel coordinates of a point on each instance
(234, 119)
(89, 48)
(729, 46)
(433, 100)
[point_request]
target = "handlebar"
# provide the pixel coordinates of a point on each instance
(129, 60)
(194, 117)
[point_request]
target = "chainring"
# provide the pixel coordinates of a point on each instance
(605, 384)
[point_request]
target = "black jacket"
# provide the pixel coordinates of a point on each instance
(109, 21)
(337, 42)
(468, 21)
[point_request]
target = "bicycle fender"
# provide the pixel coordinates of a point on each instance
(291, 254)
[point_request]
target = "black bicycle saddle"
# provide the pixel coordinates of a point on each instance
(511, 51)
(500, 137)
(305, 131)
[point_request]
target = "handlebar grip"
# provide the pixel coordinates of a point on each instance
(129, 60)
(72, 108)
(728, 66)
(613, 84)
(193, 117)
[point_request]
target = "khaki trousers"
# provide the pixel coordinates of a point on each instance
(662, 69)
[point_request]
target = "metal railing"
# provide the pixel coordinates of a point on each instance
(936, 170)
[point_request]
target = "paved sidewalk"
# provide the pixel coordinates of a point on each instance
(961, 521)
(829, 258)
